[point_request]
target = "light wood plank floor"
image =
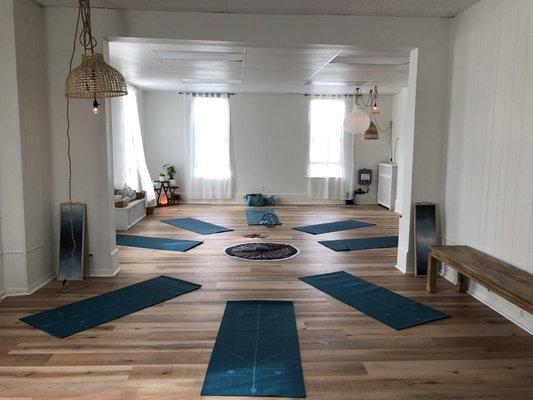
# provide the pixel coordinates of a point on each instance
(162, 352)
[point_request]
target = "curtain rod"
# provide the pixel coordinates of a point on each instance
(208, 93)
(328, 95)
(133, 86)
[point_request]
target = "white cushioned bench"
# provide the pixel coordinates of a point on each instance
(126, 217)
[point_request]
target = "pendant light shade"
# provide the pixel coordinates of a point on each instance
(371, 133)
(93, 79)
(356, 122)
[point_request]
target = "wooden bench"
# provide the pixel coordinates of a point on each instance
(499, 277)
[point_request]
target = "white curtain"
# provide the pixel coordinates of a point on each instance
(331, 149)
(136, 169)
(209, 176)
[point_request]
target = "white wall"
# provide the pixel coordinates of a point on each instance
(488, 192)
(164, 133)
(24, 162)
(8, 124)
(399, 130)
(33, 114)
(369, 153)
(91, 147)
(269, 142)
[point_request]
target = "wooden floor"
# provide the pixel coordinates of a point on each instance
(162, 352)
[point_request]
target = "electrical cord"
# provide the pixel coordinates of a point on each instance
(72, 237)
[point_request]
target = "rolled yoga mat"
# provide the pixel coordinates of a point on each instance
(361, 243)
(85, 314)
(254, 216)
(333, 226)
(256, 352)
(157, 243)
(196, 225)
(390, 308)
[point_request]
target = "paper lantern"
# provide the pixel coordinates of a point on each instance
(356, 122)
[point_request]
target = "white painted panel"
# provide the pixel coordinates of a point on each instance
(488, 192)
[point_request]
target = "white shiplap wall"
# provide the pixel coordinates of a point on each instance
(488, 193)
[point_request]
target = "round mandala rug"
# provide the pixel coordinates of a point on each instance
(262, 251)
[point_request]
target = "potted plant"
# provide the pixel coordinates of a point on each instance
(170, 169)
(162, 177)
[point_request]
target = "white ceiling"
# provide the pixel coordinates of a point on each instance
(233, 67)
(395, 8)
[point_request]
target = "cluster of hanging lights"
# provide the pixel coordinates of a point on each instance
(358, 121)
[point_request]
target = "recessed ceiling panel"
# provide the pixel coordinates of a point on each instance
(224, 66)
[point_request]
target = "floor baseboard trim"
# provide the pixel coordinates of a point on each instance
(521, 323)
(450, 275)
(42, 282)
(405, 271)
(103, 273)
(31, 289)
(284, 199)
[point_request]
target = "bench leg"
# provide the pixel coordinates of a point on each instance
(462, 283)
(431, 282)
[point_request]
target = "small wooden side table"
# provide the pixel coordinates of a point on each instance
(174, 198)
(171, 193)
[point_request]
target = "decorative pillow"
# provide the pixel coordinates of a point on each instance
(128, 193)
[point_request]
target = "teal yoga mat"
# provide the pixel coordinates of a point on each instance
(196, 225)
(254, 216)
(157, 243)
(256, 352)
(85, 314)
(361, 243)
(390, 308)
(332, 226)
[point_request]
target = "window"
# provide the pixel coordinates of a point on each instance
(326, 133)
(211, 133)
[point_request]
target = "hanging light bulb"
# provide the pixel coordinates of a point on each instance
(374, 95)
(95, 107)
(356, 122)
(93, 77)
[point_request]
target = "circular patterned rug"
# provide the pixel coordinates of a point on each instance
(262, 251)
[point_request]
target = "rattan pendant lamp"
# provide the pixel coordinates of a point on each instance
(93, 78)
